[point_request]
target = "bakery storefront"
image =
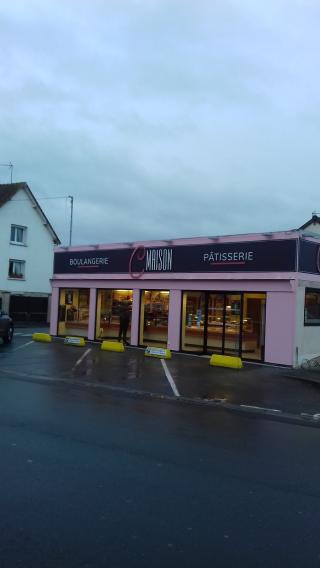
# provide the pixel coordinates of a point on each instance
(229, 323)
(246, 295)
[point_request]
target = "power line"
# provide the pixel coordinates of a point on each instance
(40, 198)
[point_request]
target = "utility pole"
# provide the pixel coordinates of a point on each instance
(71, 218)
(10, 166)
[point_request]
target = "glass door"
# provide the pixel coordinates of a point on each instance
(232, 324)
(154, 313)
(253, 331)
(225, 323)
(110, 303)
(193, 321)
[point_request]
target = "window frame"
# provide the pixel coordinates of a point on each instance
(23, 264)
(305, 322)
(63, 292)
(96, 319)
(141, 319)
(24, 235)
(205, 350)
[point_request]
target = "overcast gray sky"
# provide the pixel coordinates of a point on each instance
(163, 118)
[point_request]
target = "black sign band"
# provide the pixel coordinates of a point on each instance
(255, 256)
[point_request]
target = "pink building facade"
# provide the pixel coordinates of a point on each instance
(256, 296)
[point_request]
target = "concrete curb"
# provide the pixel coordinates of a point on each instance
(310, 379)
(304, 418)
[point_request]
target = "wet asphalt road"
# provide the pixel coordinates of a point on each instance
(254, 385)
(94, 479)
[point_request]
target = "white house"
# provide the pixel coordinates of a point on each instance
(26, 252)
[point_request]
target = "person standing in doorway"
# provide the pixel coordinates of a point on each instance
(124, 316)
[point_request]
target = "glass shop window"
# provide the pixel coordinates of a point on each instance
(110, 305)
(73, 312)
(312, 307)
(193, 321)
(154, 313)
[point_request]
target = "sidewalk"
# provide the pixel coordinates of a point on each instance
(255, 385)
(277, 389)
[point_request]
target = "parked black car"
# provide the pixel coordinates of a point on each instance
(6, 327)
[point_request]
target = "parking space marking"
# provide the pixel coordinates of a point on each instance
(81, 359)
(260, 408)
(24, 345)
(24, 334)
(169, 377)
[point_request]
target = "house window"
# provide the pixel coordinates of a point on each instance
(18, 235)
(16, 268)
(312, 307)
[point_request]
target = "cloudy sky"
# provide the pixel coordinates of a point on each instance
(163, 118)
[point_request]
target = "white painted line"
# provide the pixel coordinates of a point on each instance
(217, 400)
(21, 334)
(81, 358)
(24, 345)
(311, 416)
(260, 408)
(169, 377)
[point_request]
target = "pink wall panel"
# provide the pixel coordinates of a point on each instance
(247, 283)
(280, 328)
(164, 280)
(54, 311)
(92, 313)
(174, 320)
(135, 318)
